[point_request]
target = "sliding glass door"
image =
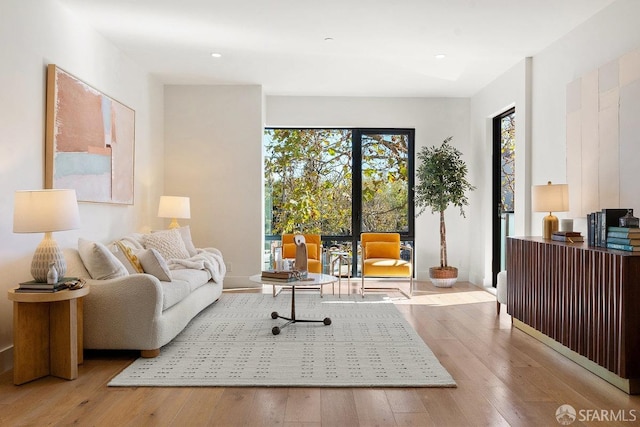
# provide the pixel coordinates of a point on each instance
(339, 183)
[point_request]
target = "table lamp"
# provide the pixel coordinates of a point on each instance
(46, 211)
(174, 207)
(550, 198)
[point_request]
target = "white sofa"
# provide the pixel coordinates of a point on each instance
(142, 311)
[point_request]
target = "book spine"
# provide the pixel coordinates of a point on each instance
(623, 247)
(623, 241)
(570, 239)
(623, 230)
(603, 229)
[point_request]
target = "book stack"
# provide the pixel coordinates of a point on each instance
(598, 224)
(567, 236)
(281, 275)
(623, 239)
(34, 286)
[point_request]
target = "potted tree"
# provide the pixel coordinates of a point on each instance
(442, 181)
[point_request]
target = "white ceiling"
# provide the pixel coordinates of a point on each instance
(379, 47)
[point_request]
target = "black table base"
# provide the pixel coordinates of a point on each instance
(274, 315)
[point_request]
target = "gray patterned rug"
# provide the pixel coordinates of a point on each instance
(368, 344)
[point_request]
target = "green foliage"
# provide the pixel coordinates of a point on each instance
(508, 161)
(441, 181)
(308, 177)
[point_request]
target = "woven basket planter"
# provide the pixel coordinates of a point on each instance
(443, 277)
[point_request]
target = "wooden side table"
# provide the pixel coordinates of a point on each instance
(47, 334)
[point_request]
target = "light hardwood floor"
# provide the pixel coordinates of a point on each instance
(504, 378)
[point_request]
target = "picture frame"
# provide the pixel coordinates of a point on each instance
(89, 141)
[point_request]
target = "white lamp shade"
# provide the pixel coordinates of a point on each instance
(43, 211)
(550, 197)
(174, 207)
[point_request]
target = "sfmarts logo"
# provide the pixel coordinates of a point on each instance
(566, 414)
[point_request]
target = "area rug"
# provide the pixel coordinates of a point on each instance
(368, 344)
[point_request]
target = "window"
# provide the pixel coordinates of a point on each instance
(338, 183)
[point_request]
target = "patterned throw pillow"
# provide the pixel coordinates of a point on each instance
(127, 257)
(168, 242)
(153, 263)
(99, 261)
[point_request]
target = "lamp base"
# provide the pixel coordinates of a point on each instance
(174, 224)
(46, 253)
(549, 226)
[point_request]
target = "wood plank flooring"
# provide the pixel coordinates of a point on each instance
(505, 378)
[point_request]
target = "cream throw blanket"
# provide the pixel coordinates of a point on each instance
(209, 259)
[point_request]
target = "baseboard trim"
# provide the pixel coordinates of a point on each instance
(242, 282)
(629, 386)
(6, 359)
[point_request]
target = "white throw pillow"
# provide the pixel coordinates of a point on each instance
(185, 232)
(168, 242)
(153, 263)
(99, 261)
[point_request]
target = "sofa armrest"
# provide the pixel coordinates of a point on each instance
(122, 312)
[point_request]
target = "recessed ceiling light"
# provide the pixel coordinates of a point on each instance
(440, 56)
(216, 55)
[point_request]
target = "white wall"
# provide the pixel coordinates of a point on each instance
(607, 36)
(433, 120)
(213, 148)
(541, 86)
(34, 33)
(511, 90)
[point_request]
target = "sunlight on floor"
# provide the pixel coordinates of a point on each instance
(449, 298)
(433, 296)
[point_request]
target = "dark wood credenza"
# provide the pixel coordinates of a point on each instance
(583, 301)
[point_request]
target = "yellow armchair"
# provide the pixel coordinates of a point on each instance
(314, 250)
(380, 257)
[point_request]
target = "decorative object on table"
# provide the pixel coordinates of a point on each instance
(314, 250)
(567, 236)
(52, 274)
(628, 220)
(281, 275)
(174, 207)
(301, 254)
(90, 141)
(550, 198)
(64, 283)
(442, 181)
(598, 224)
(46, 211)
(566, 224)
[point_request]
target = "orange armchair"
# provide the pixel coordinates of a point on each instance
(380, 257)
(314, 250)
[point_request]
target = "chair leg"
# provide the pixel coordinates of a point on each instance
(497, 307)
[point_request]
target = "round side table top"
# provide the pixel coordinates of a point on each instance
(47, 296)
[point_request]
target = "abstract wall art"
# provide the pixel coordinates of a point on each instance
(90, 141)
